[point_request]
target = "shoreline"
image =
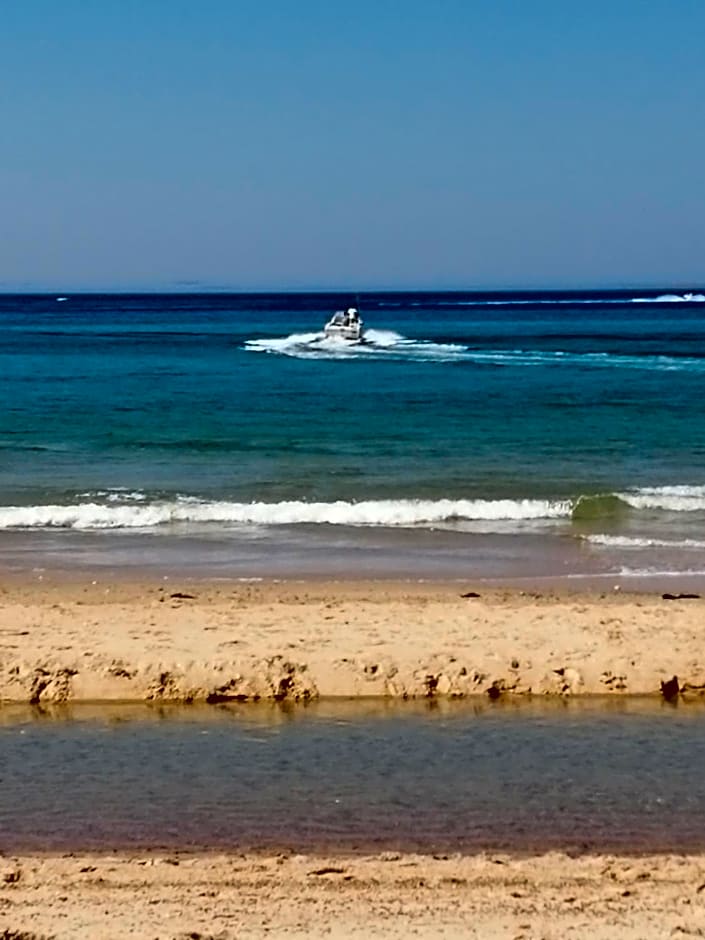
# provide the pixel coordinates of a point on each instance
(391, 895)
(564, 561)
(179, 640)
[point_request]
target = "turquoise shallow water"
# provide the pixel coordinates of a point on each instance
(226, 427)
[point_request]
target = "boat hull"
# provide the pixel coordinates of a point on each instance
(349, 334)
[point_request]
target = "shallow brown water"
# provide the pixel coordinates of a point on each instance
(620, 775)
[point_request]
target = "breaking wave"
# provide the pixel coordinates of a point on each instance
(592, 508)
(591, 300)
(391, 512)
(126, 509)
(627, 542)
(680, 498)
(688, 298)
(669, 498)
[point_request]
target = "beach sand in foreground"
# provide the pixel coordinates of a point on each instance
(147, 897)
(77, 640)
(112, 640)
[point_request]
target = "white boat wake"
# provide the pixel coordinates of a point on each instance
(386, 344)
(375, 344)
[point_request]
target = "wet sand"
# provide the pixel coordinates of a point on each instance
(147, 897)
(180, 641)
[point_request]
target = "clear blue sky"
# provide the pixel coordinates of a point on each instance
(298, 143)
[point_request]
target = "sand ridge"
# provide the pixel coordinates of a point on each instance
(112, 640)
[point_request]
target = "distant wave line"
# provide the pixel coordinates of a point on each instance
(596, 301)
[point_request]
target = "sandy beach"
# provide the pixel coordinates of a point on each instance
(175, 897)
(352, 471)
(186, 641)
(109, 640)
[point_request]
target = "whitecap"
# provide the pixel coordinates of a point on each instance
(680, 498)
(387, 513)
(632, 542)
(671, 298)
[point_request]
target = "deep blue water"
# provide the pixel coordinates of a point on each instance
(468, 413)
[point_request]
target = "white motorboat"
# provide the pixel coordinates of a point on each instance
(345, 324)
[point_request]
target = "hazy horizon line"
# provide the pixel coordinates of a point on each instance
(197, 287)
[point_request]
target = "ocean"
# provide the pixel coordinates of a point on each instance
(472, 435)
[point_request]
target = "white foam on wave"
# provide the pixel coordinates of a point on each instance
(392, 512)
(631, 542)
(688, 298)
(127, 509)
(532, 302)
(680, 498)
(117, 495)
(628, 572)
(376, 344)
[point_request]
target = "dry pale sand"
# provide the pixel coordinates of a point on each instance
(109, 640)
(91, 897)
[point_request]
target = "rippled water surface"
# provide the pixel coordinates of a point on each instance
(504, 429)
(626, 775)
